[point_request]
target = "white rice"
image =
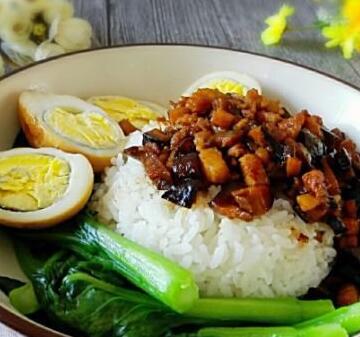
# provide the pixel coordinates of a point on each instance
(262, 258)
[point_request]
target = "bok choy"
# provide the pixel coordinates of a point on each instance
(93, 300)
(328, 330)
(95, 308)
(159, 277)
(83, 279)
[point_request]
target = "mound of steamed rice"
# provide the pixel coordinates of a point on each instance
(275, 255)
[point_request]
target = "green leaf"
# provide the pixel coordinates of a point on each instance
(160, 277)
(96, 308)
(320, 24)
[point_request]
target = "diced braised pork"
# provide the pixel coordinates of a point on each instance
(253, 170)
(253, 142)
(214, 167)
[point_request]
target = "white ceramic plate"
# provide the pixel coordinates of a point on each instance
(160, 73)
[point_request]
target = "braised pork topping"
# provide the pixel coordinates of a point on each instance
(255, 151)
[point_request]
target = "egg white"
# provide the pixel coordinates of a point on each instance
(246, 81)
(80, 186)
(33, 107)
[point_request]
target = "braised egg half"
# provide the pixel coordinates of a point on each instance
(228, 82)
(138, 112)
(70, 124)
(43, 187)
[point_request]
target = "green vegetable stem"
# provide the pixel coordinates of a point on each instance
(286, 311)
(24, 299)
(166, 281)
(348, 317)
(158, 276)
(328, 330)
(84, 286)
(91, 297)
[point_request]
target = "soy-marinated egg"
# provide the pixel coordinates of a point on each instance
(42, 187)
(119, 108)
(70, 124)
(226, 82)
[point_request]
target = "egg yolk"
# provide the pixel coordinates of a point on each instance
(90, 128)
(227, 86)
(120, 108)
(32, 182)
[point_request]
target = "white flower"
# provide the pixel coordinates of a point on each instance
(2, 66)
(48, 49)
(15, 20)
(21, 52)
(72, 34)
(57, 9)
(38, 6)
(21, 31)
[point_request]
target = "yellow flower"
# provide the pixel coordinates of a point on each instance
(339, 35)
(345, 34)
(276, 25)
(351, 12)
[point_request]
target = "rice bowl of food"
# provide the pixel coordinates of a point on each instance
(219, 205)
(230, 257)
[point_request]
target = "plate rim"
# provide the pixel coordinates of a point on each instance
(25, 326)
(170, 44)
(32, 329)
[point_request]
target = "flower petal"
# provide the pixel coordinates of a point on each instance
(286, 11)
(351, 11)
(74, 34)
(348, 48)
(53, 30)
(342, 35)
(15, 20)
(48, 49)
(270, 36)
(2, 66)
(57, 9)
(38, 6)
(21, 52)
(276, 25)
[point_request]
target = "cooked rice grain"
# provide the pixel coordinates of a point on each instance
(262, 258)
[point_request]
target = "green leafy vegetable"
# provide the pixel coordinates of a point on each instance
(24, 299)
(164, 280)
(150, 271)
(328, 330)
(96, 308)
(282, 311)
(84, 287)
(348, 317)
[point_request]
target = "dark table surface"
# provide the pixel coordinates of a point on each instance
(226, 23)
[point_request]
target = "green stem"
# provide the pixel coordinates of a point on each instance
(24, 299)
(160, 277)
(291, 29)
(287, 311)
(248, 332)
(328, 330)
(348, 317)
